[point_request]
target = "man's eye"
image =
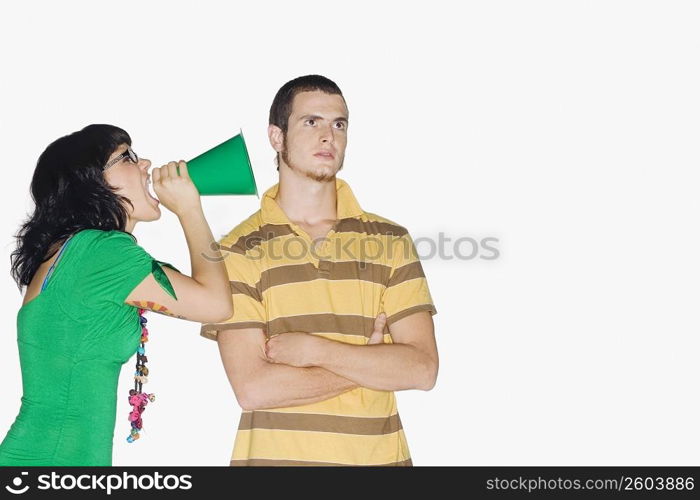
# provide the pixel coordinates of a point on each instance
(311, 121)
(340, 125)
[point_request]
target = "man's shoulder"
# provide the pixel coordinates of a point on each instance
(244, 229)
(371, 223)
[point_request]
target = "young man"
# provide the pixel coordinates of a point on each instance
(332, 310)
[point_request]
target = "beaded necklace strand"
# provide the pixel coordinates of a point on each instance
(138, 399)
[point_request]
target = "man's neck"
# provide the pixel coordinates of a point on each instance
(306, 201)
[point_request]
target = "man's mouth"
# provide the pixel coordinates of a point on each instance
(325, 154)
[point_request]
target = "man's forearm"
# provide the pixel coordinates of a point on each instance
(278, 386)
(384, 367)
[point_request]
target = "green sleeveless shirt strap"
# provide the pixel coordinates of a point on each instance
(161, 278)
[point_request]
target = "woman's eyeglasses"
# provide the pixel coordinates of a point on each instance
(129, 152)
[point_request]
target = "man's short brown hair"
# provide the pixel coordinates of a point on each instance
(282, 103)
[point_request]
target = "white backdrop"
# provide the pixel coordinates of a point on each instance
(567, 130)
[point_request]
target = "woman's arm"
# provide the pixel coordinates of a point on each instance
(206, 296)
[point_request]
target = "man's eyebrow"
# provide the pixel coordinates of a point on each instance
(317, 117)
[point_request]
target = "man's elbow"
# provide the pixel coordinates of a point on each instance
(246, 404)
(428, 375)
(221, 312)
(248, 397)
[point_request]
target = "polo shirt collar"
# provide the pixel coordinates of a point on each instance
(347, 205)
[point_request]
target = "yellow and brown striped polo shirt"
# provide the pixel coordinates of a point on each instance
(281, 282)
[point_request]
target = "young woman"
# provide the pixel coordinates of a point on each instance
(87, 285)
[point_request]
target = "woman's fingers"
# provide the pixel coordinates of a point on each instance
(163, 172)
(172, 169)
(183, 169)
(174, 190)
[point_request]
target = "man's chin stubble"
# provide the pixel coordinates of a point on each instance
(311, 175)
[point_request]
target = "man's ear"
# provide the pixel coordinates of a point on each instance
(276, 136)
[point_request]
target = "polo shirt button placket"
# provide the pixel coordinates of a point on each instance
(310, 256)
(324, 264)
(324, 267)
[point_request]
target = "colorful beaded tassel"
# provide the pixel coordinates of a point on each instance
(137, 399)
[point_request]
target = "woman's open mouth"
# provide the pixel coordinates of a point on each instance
(147, 187)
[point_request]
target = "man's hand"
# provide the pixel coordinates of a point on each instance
(291, 348)
(299, 348)
(377, 336)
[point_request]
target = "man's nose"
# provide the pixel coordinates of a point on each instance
(145, 163)
(327, 135)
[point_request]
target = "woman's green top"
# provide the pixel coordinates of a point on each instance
(73, 339)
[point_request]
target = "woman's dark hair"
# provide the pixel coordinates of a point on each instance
(70, 194)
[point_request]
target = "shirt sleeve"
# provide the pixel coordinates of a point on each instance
(407, 290)
(248, 305)
(117, 265)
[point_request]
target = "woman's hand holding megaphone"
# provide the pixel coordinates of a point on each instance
(175, 192)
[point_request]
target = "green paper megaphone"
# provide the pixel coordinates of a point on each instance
(224, 169)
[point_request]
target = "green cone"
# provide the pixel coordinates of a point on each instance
(224, 169)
